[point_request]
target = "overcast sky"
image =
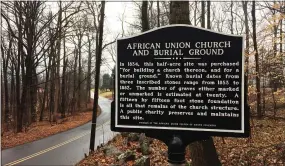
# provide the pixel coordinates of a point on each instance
(113, 12)
(112, 26)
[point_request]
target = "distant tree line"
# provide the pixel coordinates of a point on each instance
(48, 52)
(107, 83)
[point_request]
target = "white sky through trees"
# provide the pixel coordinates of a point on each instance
(127, 11)
(114, 12)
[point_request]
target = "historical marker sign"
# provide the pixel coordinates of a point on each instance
(180, 78)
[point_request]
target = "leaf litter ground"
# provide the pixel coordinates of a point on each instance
(266, 146)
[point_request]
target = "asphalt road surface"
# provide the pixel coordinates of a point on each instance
(66, 148)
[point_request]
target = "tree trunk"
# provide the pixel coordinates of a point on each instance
(13, 94)
(79, 75)
(263, 83)
(31, 15)
(232, 18)
(68, 81)
(2, 97)
(45, 95)
(89, 70)
(158, 14)
(18, 95)
(25, 89)
(281, 49)
(19, 64)
(244, 6)
(203, 14)
(73, 105)
(208, 14)
(57, 63)
(6, 92)
(150, 17)
(63, 84)
(274, 103)
(195, 11)
(281, 40)
(97, 76)
(179, 12)
(79, 71)
(52, 85)
(257, 78)
(145, 24)
(33, 93)
(275, 28)
(203, 153)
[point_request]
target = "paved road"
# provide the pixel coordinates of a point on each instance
(66, 148)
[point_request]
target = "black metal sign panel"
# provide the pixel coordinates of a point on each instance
(180, 78)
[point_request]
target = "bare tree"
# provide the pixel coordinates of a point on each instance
(244, 6)
(257, 78)
(158, 14)
(208, 14)
(144, 15)
(202, 152)
(97, 75)
(203, 14)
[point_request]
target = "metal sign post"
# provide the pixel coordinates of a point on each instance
(176, 143)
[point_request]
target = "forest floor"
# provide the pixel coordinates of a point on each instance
(39, 130)
(266, 146)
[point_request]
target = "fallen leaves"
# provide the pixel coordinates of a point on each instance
(158, 155)
(265, 147)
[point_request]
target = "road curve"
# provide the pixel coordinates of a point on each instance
(66, 148)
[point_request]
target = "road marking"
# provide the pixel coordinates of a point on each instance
(46, 150)
(52, 148)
